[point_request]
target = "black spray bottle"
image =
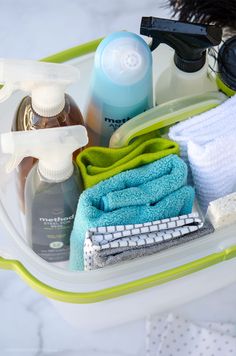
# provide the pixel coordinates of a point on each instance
(188, 72)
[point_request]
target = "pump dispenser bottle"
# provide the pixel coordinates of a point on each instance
(52, 187)
(47, 105)
(121, 85)
(188, 74)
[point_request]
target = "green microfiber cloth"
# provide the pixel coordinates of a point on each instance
(99, 163)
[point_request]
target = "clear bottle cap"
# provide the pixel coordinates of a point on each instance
(125, 60)
(48, 101)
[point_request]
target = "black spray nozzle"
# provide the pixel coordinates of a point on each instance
(189, 40)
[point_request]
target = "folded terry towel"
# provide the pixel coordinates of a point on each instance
(112, 244)
(151, 192)
(207, 144)
(99, 163)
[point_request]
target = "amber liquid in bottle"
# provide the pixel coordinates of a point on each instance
(27, 119)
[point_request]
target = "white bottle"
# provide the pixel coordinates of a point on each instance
(52, 187)
(188, 73)
(174, 83)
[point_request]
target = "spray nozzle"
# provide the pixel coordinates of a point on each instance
(53, 147)
(189, 40)
(46, 82)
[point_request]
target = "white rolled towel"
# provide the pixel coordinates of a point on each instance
(208, 145)
(213, 167)
(207, 126)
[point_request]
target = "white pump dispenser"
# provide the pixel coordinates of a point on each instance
(52, 187)
(46, 83)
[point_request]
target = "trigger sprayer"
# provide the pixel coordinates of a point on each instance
(45, 82)
(52, 187)
(46, 104)
(188, 71)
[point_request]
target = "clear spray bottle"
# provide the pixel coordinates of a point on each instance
(52, 187)
(188, 72)
(46, 106)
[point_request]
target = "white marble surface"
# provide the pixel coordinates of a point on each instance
(29, 324)
(38, 28)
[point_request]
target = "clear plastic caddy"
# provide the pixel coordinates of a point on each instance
(124, 292)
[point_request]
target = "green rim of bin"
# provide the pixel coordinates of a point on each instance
(122, 289)
(224, 88)
(119, 290)
(170, 121)
(73, 52)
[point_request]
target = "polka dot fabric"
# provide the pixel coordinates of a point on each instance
(172, 335)
(112, 244)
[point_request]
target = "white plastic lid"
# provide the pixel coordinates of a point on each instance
(48, 100)
(58, 171)
(124, 60)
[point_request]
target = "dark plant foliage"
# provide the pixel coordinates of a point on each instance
(219, 12)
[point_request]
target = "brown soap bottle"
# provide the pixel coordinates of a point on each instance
(28, 119)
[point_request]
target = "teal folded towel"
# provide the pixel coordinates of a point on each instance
(151, 192)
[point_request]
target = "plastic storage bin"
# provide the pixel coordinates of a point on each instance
(106, 297)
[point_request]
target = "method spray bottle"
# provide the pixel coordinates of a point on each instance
(121, 85)
(188, 72)
(52, 187)
(46, 106)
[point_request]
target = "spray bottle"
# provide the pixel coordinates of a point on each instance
(188, 74)
(47, 105)
(121, 85)
(52, 187)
